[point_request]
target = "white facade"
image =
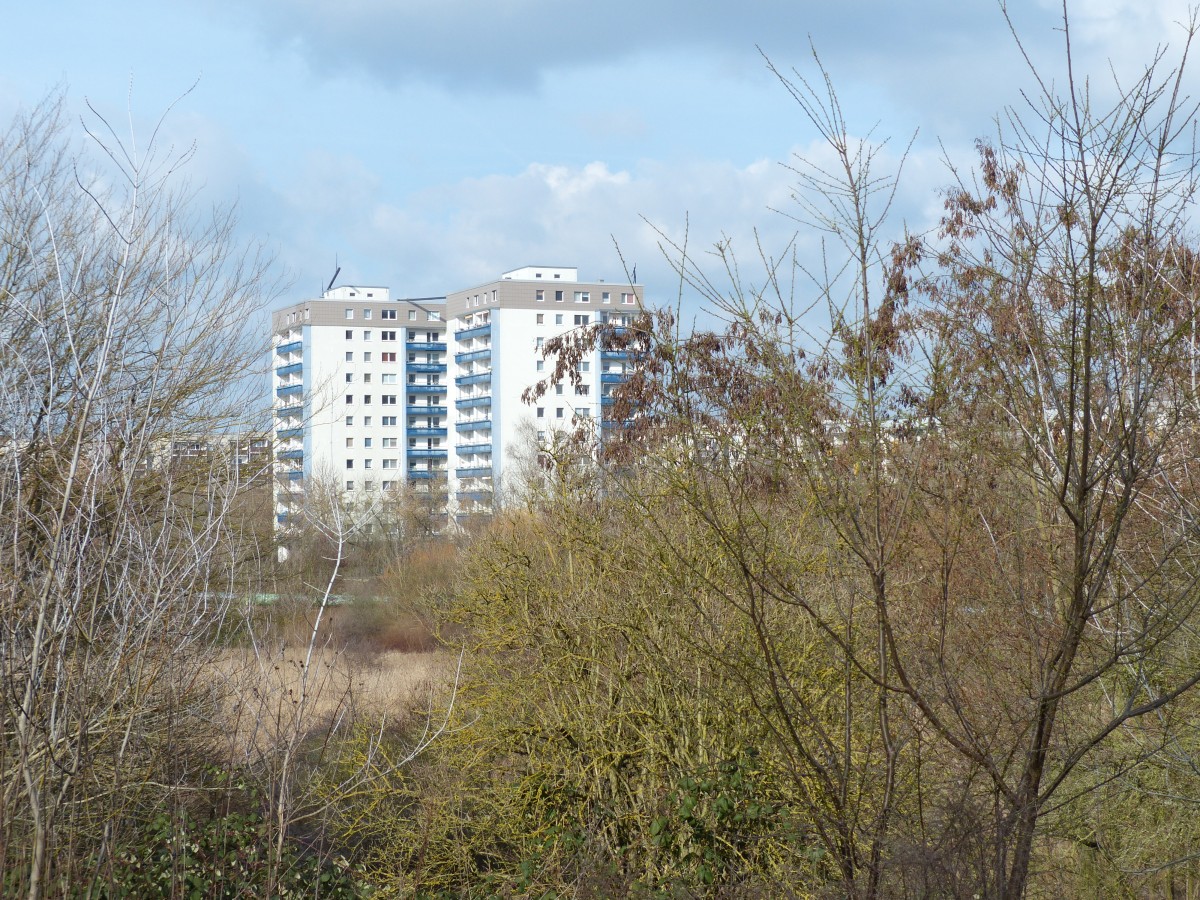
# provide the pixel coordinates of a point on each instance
(496, 337)
(372, 393)
(360, 395)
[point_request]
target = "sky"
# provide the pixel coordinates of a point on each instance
(429, 145)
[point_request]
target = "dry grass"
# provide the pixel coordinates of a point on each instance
(272, 696)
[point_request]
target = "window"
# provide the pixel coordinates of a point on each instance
(366, 442)
(389, 421)
(389, 377)
(349, 335)
(366, 422)
(349, 314)
(558, 296)
(541, 365)
(349, 377)
(541, 318)
(367, 463)
(387, 314)
(605, 297)
(583, 413)
(368, 485)
(366, 314)
(389, 336)
(390, 464)
(558, 318)
(582, 319)
(388, 443)
(583, 297)
(349, 464)
(366, 399)
(349, 356)
(349, 485)
(627, 299)
(387, 485)
(349, 442)
(412, 315)
(366, 335)
(349, 421)
(388, 357)
(433, 316)
(585, 366)
(541, 296)
(581, 390)
(558, 414)
(349, 398)
(367, 356)
(366, 378)
(538, 343)
(541, 412)
(558, 389)
(389, 399)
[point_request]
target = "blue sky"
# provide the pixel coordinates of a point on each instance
(430, 144)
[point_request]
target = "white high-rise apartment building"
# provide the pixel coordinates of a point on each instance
(496, 335)
(372, 394)
(360, 395)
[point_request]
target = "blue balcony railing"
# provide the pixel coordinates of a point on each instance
(613, 378)
(470, 449)
(290, 390)
(281, 518)
(473, 356)
(293, 347)
(475, 331)
(425, 346)
(474, 402)
(291, 454)
(425, 410)
(426, 368)
(477, 425)
(606, 400)
(295, 475)
(478, 378)
(290, 369)
(285, 411)
(426, 432)
(473, 471)
(614, 354)
(288, 433)
(425, 388)
(436, 453)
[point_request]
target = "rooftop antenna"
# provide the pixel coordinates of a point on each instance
(634, 278)
(337, 270)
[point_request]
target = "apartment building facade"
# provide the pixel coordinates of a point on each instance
(360, 396)
(372, 393)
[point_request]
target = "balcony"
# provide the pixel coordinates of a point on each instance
(290, 390)
(613, 378)
(293, 347)
(290, 454)
(285, 412)
(425, 388)
(478, 378)
(425, 410)
(614, 354)
(437, 453)
(474, 472)
(294, 475)
(425, 346)
(281, 518)
(469, 449)
(426, 474)
(288, 433)
(474, 402)
(473, 356)
(474, 331)
(474, 496)
(426, 432)
(474, 425)
(606, 400)
(291, 369)
(426, 368)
